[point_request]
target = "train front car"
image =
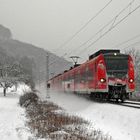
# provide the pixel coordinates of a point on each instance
(120, 75)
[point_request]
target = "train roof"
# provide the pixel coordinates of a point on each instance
(103, 52)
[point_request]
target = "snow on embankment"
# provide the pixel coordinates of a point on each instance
(48, 120)
(122, 123)
(23, 88)
(12, 118)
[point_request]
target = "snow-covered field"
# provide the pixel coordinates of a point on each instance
(12, 118)
(122, 123)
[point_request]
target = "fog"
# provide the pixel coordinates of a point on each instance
(50, 23)
(71, 102)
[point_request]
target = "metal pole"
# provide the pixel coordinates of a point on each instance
(47, 74)
(47, 66)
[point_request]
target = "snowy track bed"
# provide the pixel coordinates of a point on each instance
(122, 123)
(12, 119)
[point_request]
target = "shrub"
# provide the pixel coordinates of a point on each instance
(48, 120)
(28, 98)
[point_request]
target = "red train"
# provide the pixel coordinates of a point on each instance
(108, 74)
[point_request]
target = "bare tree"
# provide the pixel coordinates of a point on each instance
(13, 71)
(10, 70)
(9, 76)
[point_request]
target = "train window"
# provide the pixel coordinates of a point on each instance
(87, 74)
(48, 85)
(66, 78)
(71, 76)
(82, 76)
(68, 85)
(116, 63)
(77, 77)
(90, 75)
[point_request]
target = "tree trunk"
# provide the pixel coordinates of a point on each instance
(4, 91)
(16, 85)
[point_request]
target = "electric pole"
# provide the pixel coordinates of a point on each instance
(47, 74)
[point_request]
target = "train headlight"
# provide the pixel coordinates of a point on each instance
(102, 80)
(131, 80)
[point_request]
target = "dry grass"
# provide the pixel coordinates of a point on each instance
(47, 120)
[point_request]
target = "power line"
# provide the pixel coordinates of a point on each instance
(136, 43)
(124, 42)
(76, 33)
(112, 24)
(91, 19)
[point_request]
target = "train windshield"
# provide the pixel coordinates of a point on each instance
(116, 63)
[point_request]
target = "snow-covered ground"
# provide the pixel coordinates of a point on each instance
(12, 117)
(122, 123)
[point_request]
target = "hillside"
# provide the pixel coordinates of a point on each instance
(20, 49)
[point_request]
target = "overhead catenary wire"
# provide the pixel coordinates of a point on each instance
(126, 41)
(78, 31)
(135, 43)
(112, 24)
(84, 26)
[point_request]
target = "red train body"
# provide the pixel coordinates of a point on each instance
(107, 74)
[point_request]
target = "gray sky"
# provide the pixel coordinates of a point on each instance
(49, 23)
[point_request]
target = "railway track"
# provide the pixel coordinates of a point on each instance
(127, 104)
(131, 104)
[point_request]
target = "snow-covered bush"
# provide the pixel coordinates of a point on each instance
(28, 98)
(48, 120)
